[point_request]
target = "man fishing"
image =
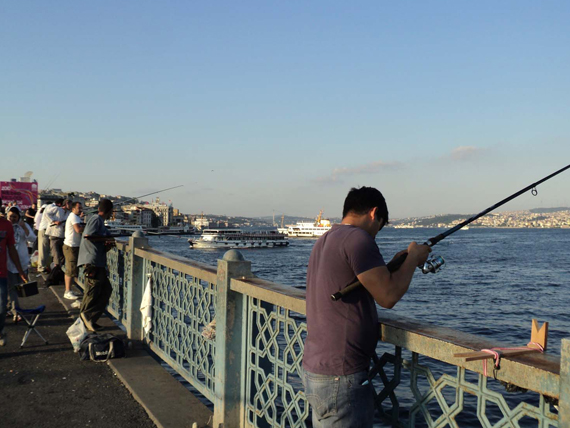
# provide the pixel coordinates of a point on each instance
(93, 248)
(342, 336)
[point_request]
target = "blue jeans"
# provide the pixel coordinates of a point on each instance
(340, 401)
(3, 302)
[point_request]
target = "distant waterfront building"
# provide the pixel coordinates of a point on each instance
(201, 223)
(165, 213)
(145, 217)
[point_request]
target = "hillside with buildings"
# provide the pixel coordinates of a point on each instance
(155, 213)
(536, 218)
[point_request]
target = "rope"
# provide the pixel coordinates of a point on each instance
(496, 352)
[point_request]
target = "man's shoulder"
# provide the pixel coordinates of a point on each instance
(73, 218)
(94, 219)
(93, 224)
(348, 231)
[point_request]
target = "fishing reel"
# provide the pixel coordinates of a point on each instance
(433, 264)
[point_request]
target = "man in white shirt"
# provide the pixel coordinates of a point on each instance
(73, 229)
(44, 256)
(56, 230)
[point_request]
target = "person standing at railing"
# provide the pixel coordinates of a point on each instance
(44, 255)
(23, 234)
(95, 243)
(56, 230)
(73, 229)
(342, 336)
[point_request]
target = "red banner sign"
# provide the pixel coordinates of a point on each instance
(24, 194)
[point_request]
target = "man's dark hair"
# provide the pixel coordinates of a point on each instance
(361, 200)
(16, 211)
(59, 201)
(74, 204)
(105, 206)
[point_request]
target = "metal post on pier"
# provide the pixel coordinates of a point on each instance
(136, 287)
(564, 396)
(231, 314)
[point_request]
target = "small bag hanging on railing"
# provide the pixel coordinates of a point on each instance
(101, 347)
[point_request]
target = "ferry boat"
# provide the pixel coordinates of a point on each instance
(237, 238)
(117, 228)
(309, 230)
(173, 230)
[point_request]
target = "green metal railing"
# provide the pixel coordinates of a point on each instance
(251, 371)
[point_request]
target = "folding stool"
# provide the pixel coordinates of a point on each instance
(35, 313)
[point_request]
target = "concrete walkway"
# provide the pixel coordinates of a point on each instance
(48, 386)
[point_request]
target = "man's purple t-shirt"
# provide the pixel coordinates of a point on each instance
(341, 335)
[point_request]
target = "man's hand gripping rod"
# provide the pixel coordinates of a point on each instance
(433, 266)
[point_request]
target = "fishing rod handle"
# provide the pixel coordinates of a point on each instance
(339, 294)
(392, 266)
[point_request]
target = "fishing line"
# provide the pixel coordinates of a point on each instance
(435, 263)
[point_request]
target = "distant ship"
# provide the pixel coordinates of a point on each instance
(173, 230)
(117, 228)
(237, 238)
(308, 229)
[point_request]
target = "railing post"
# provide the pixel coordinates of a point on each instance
(564, 397)
(230, 329)
(136, 287)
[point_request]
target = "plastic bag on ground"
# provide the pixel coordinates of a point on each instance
(77, 333)
(34, 259)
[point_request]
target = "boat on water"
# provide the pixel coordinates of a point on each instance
(308, 229)
(117, 228)
(237, 238)
(173, 230)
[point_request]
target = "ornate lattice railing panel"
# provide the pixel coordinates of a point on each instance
(115, 265)
(126, 283)
(275, 344)
(182, 306)
(443, 401)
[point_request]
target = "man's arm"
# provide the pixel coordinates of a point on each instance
(76, 223)
(388, 288)
(49, 213)
(16, 260)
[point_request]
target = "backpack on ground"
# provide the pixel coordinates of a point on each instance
(55, 277)
(101, 347)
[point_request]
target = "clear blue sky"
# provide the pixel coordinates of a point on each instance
(258, 106)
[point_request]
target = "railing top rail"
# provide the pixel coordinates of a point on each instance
(182, 264)
(546, 362)
(535, 372)
(287, 297)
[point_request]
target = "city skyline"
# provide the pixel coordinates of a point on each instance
(255, 108)
(155, 200)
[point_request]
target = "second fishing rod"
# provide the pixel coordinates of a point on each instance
(435, 263)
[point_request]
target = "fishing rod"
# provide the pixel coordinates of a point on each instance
(138, 197)
(435, 263)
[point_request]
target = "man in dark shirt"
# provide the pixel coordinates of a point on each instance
(30, 215)
(95, 243)
(342, 336)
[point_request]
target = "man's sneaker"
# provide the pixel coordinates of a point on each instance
(71, 295)
(76, 304)
(3, 339)
(87, 323)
